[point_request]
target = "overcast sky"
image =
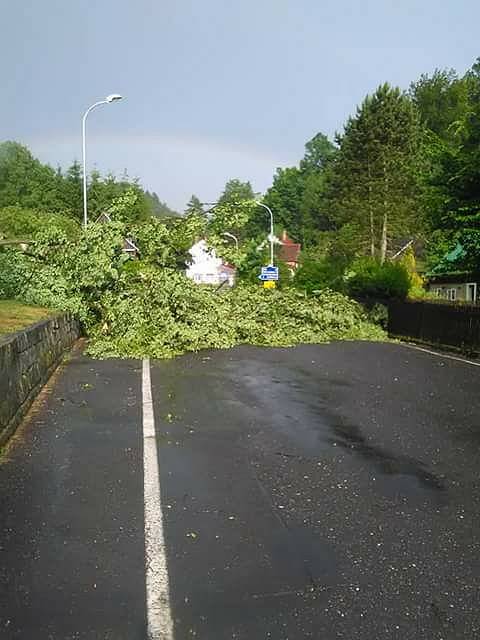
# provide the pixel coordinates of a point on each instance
(214, 89)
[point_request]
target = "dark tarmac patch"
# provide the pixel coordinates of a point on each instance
(404, 475)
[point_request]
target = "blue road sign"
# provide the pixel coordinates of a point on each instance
(270, 269)
(270, 272)
(265, 277)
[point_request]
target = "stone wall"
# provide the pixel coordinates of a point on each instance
(27, 360)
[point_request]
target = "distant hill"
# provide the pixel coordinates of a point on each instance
(159, 208)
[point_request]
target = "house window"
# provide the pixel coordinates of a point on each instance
(451, 294)
(471, 291)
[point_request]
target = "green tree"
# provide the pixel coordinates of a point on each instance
(194, 206)
(231, 214)
(165, 246)
(71, 186)
(454, 181)
(129, 205)
(25, 181)
(284, 199)
(374, 185)
(319, 151)
(231, 217)
(297, 196)
(236, 191)
(314, 216)
(20, 223)
(124, 199)
(442, 101)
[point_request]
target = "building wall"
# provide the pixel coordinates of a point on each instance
(206, 268)
(455, 291)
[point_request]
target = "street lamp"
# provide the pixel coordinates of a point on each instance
(111, 98)
(271, 236)
(230, 235)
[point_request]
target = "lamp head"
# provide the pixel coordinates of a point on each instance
(113, 96)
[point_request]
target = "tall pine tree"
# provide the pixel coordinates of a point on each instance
(374, 186)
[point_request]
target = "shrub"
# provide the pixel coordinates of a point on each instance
(13, 272)
(378, 314)
(16, 222)
(368, 278)
(319, 274)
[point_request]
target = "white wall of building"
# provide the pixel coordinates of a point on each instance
(205, 267)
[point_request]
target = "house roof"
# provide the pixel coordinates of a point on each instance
(290, 253)
(450, 263)
(453, 256)
(450, 277)
(129, 245)
(290, 250)
(103, 217)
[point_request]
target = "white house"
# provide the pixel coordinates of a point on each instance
(206, 268)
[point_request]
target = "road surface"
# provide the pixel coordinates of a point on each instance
(322, 492)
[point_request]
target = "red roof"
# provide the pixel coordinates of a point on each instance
(290, 250)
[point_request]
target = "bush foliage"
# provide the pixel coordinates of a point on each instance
(362, 278)
(320, 273)
(16, 222)
(369, 278)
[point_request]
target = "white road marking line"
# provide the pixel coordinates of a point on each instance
(441, 355)
(159, 616)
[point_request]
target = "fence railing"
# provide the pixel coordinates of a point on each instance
(449, 325)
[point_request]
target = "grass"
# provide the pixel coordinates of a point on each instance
(15, 315)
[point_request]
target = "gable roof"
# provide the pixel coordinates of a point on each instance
(129, 245)
(103, 217)
(290, 250)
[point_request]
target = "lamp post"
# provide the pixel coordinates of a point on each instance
(230, 235)
(271, 236)
(111, 98)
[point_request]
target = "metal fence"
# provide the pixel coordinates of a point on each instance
(448, 325)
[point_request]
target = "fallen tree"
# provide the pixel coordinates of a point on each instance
(137, 308)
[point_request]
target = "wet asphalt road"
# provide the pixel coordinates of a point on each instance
(319, 492)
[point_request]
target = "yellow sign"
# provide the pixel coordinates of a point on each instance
(269, 284)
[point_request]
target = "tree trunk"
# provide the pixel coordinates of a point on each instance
(383, 242)
(383, 246)
(372, 234)
(370, 207)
